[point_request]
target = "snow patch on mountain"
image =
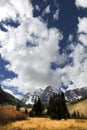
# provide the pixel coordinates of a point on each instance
(70, 95)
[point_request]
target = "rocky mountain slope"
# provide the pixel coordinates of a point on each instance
(70, 95)
(75, 94)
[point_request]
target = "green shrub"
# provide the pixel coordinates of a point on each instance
(31, 114)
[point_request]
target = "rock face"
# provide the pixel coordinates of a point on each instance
(29, 98)
(47, 93)
(73, 95)
(43, 94)
(70, 95)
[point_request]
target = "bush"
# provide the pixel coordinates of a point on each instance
(31, 114)
(9, 114)
(76, 115)
(20, 116)
(26, 111)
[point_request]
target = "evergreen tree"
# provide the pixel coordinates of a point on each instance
(38, 107)
(57, 108)
(18, 106)
(64, 110)
(74, 115)
(26, 111)
(31, 114)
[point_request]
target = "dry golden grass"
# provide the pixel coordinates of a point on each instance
(46, 124)
(81, 107)
(8, 114)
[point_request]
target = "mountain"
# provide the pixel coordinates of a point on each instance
(29, 98)
(70, 95)
(43, 94)
(75, 94)
(38, 92)
(6, 98)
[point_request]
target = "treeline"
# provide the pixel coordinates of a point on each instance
(56, 109)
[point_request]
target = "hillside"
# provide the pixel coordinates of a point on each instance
(6, 98)
(80, 107)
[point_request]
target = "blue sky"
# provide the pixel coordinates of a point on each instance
(42, 42)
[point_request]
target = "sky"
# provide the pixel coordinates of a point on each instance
(42, 43)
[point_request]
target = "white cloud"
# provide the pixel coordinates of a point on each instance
(11, 92)
(70, 38)
(46, 10)
(31, 64)
(8, 91)
(82, 25)
(81, 3)
(77, 73)
(83, 38)
(82, 30)
(11, 9)
(3, 2)
(55, 16)
(37, 7)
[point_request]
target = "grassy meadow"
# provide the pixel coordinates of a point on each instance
(80, 107)
(10, 119)
(46, 124)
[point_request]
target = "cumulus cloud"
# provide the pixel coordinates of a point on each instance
(8, 91)
(82, 25)
(81, 3)
(70, 38)
(56, 14)
(30, 48)
(46, 10)
(14, 10)
(82, 30)
(83, 39)
(77, 72)
(12, 93)
(37, 7)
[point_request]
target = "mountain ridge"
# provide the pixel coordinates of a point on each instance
(70, 95)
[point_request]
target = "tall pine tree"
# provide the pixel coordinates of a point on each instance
(38, 107)
(64, 110)
(57, 108)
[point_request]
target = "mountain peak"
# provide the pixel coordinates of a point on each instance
(70, 95)
(52, 89)
(38, 92)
